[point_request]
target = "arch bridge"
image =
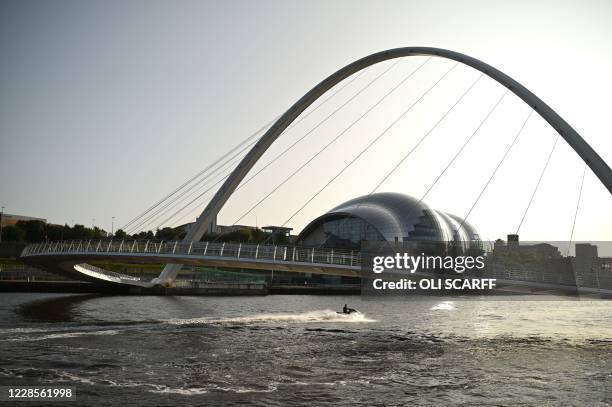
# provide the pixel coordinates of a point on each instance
(63, 257)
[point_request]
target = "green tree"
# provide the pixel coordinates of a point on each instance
(13, 234)
(120, 234)
(241, 235)
(80, 232)
(98, 233)
(148, 235)
(167, 233)
(55, 232)
(208, 237)
(258, 236)
(35, 230)
(67, 232)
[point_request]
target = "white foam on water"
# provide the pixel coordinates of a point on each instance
(65, 376)
(24, 330)
(62, 335)
(174, 390)
(319, 316)
(164, 389)
(443, 306)
(240, 389)
(154, 388)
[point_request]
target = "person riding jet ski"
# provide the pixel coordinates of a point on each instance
(347, 310)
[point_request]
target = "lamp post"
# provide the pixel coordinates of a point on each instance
(1, 216)
(113, 226)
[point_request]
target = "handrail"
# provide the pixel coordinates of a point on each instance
(242, 251)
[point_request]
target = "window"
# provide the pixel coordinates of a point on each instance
(351, 230)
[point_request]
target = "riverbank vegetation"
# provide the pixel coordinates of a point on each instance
(35, 231)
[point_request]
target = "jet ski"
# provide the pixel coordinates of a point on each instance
(346, 310)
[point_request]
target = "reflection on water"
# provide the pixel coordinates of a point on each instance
(292, 350)
(58, 309)
(443, 306)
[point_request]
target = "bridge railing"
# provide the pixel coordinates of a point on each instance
(275, 253)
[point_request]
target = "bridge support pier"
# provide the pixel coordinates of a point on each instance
(168, 275)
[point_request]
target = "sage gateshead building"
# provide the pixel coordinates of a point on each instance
(390, 218)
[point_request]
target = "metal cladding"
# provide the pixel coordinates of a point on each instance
(385, 216)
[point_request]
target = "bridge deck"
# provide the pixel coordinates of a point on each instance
(70, 257)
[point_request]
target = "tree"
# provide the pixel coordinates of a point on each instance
(240, 235)
(13, 234)
(55, 232)
(35, 230)
(98, 233)
(258, 236)
(80, 232)
(120, 234)
(167, 234)
(148, 235)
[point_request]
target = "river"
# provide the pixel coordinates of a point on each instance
(295, 350)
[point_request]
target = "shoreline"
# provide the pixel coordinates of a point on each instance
(210, 289)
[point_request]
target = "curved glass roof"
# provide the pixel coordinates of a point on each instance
(395, 216)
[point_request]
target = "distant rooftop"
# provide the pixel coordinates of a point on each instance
(11, 219)
(281, 230)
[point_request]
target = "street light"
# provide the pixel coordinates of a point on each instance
(113, 226)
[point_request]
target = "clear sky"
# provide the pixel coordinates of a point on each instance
(105, 106)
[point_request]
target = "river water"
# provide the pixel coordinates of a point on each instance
(296, 350)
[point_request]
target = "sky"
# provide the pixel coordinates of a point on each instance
(106, 106)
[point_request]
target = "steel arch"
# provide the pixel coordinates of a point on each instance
(584, 150)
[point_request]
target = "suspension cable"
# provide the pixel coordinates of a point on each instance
(167, 221)
(245, 182)
(399, 163)
(467, 141)
(355, 77)
(400, 117)
(378, 102)
(282, 153)
(172, 204)
(199, 174)
(192, 188)
(537, 184)
(426, 134)
(495, 170)
(569, 244)
(295, 123)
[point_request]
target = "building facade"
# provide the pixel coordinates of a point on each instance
(7, 219)
(387, 217)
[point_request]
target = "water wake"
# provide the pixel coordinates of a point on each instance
(443, 306)
(319, 316)
(60, 335)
